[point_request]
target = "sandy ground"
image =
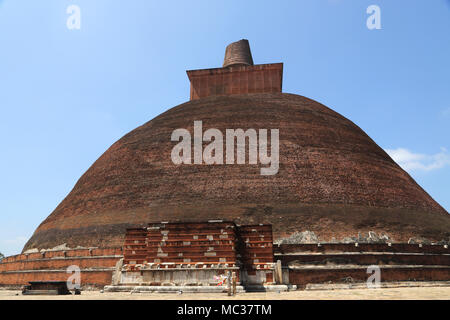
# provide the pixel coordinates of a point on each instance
(428, 293)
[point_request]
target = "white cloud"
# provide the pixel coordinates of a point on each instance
(411, 161)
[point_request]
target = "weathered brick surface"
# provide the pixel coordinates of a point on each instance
(333, 180)
(362, 247)
(94, 252)
(367, 259)
(60, 263)
(302, 277)
(263, 78)
(347, 262)
(96, 266)
(238, 53)
(212, 243)
(181, 243)
(88, 277)
(255, 246)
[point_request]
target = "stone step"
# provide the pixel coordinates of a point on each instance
(171, 289)
(40, 293)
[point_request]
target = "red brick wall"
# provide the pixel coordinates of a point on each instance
(367, 259)
(65, 253)
(301, 277)
(263, 78)
(42, 264)
(96, 266)
(180, 243)
(362, 247)
(88, 278)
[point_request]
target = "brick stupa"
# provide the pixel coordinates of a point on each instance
(333, 179)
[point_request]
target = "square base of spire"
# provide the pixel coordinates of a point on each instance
(262, 78)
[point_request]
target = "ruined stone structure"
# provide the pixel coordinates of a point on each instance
(333, 181)
(238, 54)
(97, 266)
(197, 254)
(194, 256)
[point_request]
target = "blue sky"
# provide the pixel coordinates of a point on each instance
(67, 95)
